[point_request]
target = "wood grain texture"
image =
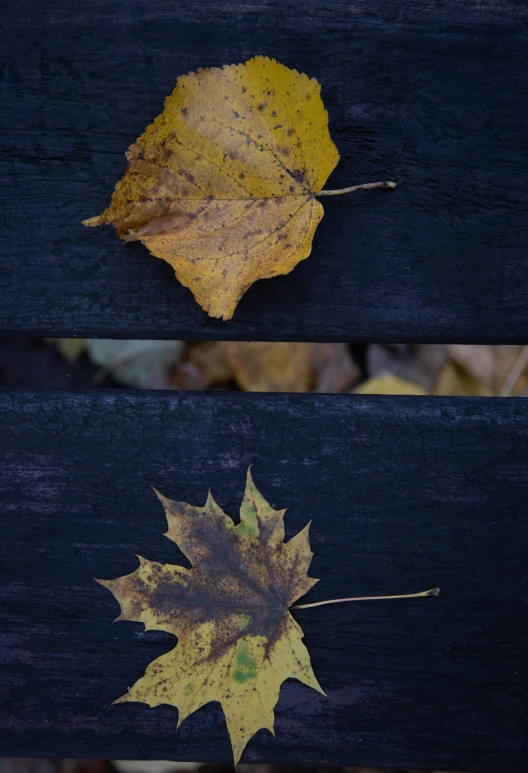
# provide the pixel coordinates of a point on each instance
(431, 94)
(403, 493)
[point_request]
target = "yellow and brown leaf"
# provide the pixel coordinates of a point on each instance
(222, 184)
(237, 641)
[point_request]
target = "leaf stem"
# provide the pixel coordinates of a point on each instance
(430, 592)
(363, 187)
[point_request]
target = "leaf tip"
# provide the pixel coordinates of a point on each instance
(93, 221)
(104, 583)
(165, 501)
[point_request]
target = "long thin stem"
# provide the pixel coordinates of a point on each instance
(364, 187)
(430, 592)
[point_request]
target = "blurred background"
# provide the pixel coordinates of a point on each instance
(163, 766)
(425, 369)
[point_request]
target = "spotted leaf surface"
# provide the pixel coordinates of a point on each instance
(237, 641)
(222, 185)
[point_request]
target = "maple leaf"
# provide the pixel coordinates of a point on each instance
(222, 185)
(237, 641)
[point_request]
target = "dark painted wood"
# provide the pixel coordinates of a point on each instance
(429, 92)
(403, 493)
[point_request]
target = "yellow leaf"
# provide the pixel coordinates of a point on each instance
(237, 641)
(389, 385)
(455, 381)
(222, 185)
(260, 366)
(291, 367)
(70, 348)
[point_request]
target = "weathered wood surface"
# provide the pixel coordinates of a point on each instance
(432, 94)
(403, 493)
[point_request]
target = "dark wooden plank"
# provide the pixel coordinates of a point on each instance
(432, 94)
(404, 493)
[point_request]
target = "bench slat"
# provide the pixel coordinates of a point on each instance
(403, 493)
(431, 95)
